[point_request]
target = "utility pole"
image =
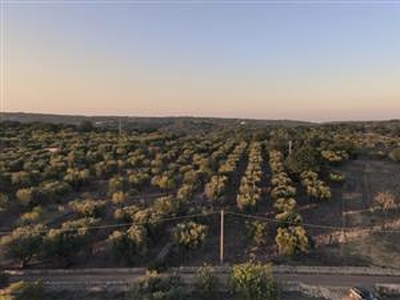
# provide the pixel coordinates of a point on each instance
(290, 147)
(221, 240)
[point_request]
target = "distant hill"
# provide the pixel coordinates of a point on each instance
(175, 124)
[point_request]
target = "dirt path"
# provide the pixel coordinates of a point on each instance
(342, 277)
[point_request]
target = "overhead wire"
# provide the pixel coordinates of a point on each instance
(227, 212)
(311, 225)
(93, 227)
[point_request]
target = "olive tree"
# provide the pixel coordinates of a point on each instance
(68, 240)
(23, 243)
(189, 235)
(128, 244)
(292, 240)
(253, 281)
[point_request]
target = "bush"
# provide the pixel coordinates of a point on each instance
(206, 285)
(154, 286)
(385, 201)
(25, 291)
(292, 240)
(256, 232)
(337, 177)
(395, 155)
(70, 239)
(189, 235)
(23, 243)
(129, 244)
(88, 207)
(31, 217)
(253, 281)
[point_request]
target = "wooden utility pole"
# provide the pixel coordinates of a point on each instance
(221, 240)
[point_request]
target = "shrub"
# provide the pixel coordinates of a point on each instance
(128, 244)
(384, 200)
(154, 286)
(336, 177)
(118, 198)
(26, 196)
(88, 207)
(216, 187)
(32, 217)
(189, 235)
(168, 206)
(115, 184)
(126, 214)
(68, 240)
(23, 243)
(253, 281)
(291, 240)
(206, 285)
(256, 231)
(25, 291)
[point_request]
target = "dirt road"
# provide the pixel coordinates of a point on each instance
(82, 279)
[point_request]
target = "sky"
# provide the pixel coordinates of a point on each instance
(301, 60)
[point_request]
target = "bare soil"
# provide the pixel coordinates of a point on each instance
(350, 207)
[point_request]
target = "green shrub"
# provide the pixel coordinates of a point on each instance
(206, 285)
(154, 286)
(88, 207)
(25, 291)
(292, 240)
(256, 231)
(253, 281)
(189, 235)
(336, 177)
(23, 243)
(129, 244)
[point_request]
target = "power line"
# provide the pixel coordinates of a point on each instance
(226, 212)
(123, 224)
(309, 225)
(266, 219)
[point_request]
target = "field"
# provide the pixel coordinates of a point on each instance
(90, 195)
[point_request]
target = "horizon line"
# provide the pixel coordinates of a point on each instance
(200, 117)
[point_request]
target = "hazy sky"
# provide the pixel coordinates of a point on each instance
(298, 60)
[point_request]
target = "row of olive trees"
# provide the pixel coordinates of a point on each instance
(37, 241)
(217, 186)
(250, 192)
(230, 165)
(291, 236)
